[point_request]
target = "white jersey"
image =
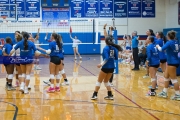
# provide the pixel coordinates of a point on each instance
(127, 43)
(75, 42)
(17, 52)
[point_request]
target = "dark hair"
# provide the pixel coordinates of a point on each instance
(151, 38)
(8, 40)
(109, 41)
(17, 32)
(57, 39)
(171, 34)
(151, 32)
(60, 38)
(19, 38)
(25, 36)
(162, 36)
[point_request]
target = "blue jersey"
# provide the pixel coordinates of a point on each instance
(109, 54)
(7, 48)
(162, 55)
(55, 51)
(29, 51)
(152, 55)
(135, 42)
(172, 49)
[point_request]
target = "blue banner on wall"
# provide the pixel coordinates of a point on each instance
(55, 17)
(20, 8)
(32, 8)
(4, 10)
(106, 8)
(77, 8)
(91, 8)
(134, 8)
(148, 8)
(120, 8)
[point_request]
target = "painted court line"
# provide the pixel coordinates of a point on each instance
(123, 95)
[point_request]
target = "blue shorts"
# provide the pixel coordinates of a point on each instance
(128, 48)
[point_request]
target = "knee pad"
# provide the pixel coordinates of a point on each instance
(166, 79)
(19, 76)
(98, 84)
(58, 76)
(106, 84)
(51, 76)
(153, 79)
(174, 81)
(23, 75)
(62, 72)
(10, 76)
(27, 77)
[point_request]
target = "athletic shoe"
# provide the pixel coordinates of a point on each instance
(65, 83)
(47, 82)
(6, 85)
(17, 84)
(111, 84)
(151, 93)
(175, 97)
(38, 68)
(162, 94)
(151, 87)
(29, 87)
(75, 58)
(80, 57)
(135, 69)
(26, 91)
(57, 89)
(109, 97)
(51, 90)
(35, 67)
(9, 88)
(21, 88)
(146, 76)
(94, 97)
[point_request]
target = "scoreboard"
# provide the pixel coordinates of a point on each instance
(55, 3)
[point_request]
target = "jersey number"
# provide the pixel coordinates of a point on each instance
(57, 48)
(111, 53)
(176, 47)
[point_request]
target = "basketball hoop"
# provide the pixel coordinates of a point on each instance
(4, 19)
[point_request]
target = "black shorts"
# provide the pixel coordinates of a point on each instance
(56, 60)
(175, 65)
(107, 70)
(163, 61)
(155, 66)
(17, 64)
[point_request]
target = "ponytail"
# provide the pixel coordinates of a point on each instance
(109, 41)
(161, 35)
(57, 39)
(25, 36)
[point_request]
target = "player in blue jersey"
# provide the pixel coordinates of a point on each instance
(26, 47)
(172, 49)
(153, 63)
(62, 72)
(55, 65)
(7, 63)
(110, 53)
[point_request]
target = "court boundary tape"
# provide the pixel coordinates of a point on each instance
(16, 109)
(124, 96)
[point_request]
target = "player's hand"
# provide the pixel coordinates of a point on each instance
(105, 25)
(157, 46)
(99, 65)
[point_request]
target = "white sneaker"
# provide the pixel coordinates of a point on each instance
(65, 83)
(21, 88)
(26, 91)
(75, 58)
(146, 76)
(38, 68)
(35, 67)
(80, 57)
(111, 84)
(47, 82)
(29, 87)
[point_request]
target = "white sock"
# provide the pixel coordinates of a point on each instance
(22, 83)
(26, 87)
(165, 90)
(177, 92)
(57, 84)
(52, 85)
